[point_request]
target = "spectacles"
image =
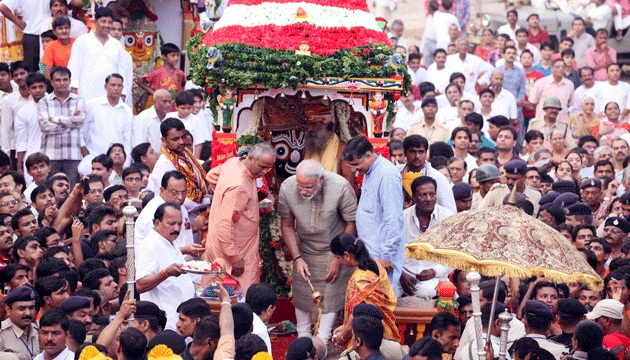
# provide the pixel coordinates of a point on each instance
(7, 203)
(612, 230)
(175, 192)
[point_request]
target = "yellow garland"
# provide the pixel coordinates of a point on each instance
(463, 261)
(90, 352)
(263, 355)
(197, 188)
(162, 351)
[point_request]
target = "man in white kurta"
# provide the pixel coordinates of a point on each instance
(175, 192)
(12, 104)
(108, 120)
(146, 125)
(472, 66)
(173, 148)
(161, 279)
(95, 56)
(425, 198)
(28, 136)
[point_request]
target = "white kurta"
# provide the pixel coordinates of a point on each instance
(439, 78)
(146, 128)
(404, 117)
(144, 224)
(192, 123)
(505, 104)
(28, 135)
(424, 289)
(443, 20)
(260, 329)
(33, 12)
(472, 67)
(10, 107)
(106, 125)
(153, 255)
(163, 165)
(66, 354)
(91, 62)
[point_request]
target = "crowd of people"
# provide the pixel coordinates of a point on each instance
(514, 113)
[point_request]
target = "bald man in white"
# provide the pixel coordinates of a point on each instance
(146, 125)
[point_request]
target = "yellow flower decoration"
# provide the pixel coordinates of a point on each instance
(263, 355)
(407, 179)
(162, 352)
(90, 352)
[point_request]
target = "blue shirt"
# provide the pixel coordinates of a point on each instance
(379, 217)
(514, 81)
(542, 70)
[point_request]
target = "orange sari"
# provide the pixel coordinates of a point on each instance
(367, 287)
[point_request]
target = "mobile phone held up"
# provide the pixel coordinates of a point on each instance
(86, 186)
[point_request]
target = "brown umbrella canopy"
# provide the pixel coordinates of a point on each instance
(503, 240)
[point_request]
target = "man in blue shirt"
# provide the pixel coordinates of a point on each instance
(379, 218)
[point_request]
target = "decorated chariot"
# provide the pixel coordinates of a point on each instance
(305, 75)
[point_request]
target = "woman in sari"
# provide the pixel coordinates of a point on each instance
(612, 127)
(583, 123)
(487, 44)
(368, 284)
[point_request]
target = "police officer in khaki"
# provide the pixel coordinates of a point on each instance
(514, 171)
(487, 176)
(18, 334)
(549, 123)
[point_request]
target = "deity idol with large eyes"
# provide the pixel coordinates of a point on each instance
(140, 38)
(289, 145)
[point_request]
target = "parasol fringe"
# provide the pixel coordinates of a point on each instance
(457, 259)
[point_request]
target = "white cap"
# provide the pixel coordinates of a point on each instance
(608, 308)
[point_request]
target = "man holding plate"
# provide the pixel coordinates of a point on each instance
(161, 278)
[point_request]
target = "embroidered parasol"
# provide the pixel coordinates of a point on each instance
(504, 240)
(498, 241)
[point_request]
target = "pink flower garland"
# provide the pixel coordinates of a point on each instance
(322, 41)
(346, 4)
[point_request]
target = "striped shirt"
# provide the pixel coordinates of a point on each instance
(61, 128)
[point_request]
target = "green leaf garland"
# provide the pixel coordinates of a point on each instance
(243, 66)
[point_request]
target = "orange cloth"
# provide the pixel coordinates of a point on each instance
(367, 287)
(624, 125)
(57, 54)
(233, 232)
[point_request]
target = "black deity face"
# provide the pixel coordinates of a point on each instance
(289, 145)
